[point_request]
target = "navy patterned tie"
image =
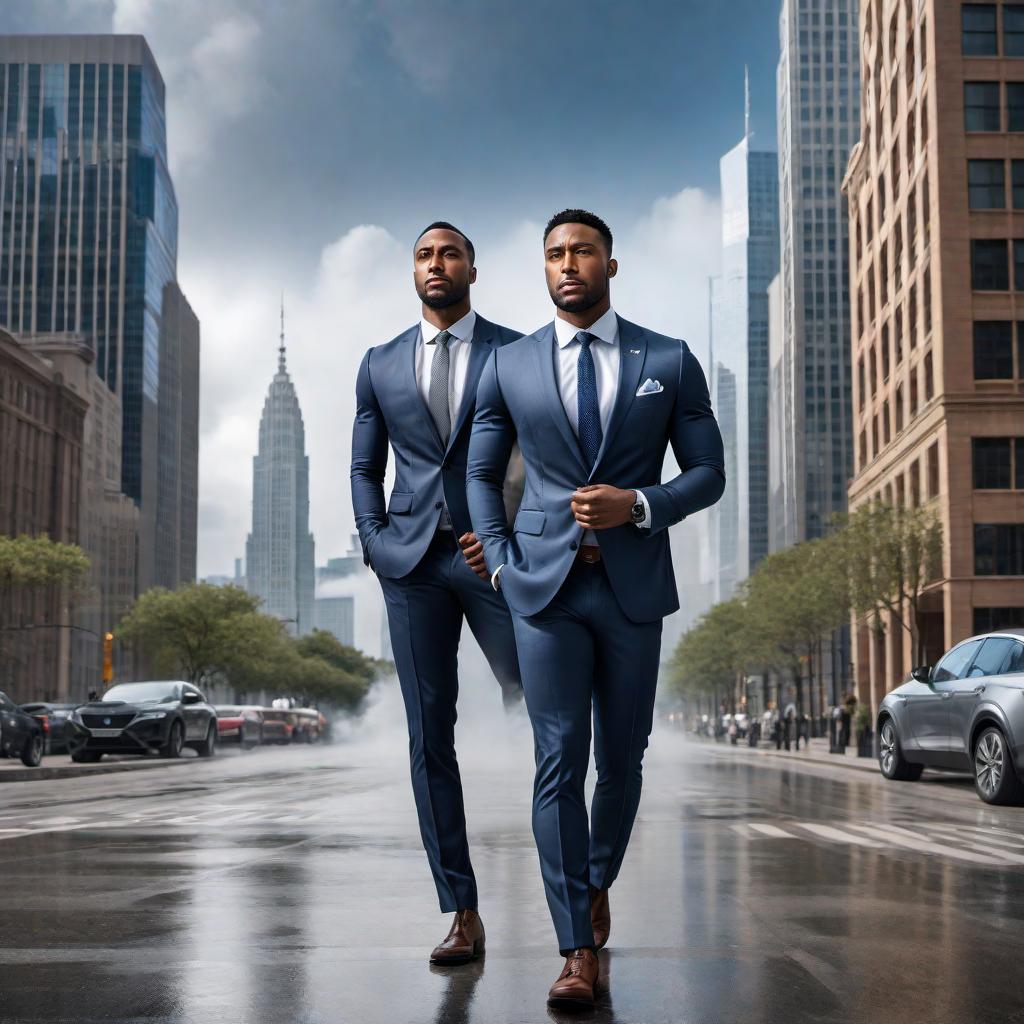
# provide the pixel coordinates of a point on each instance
(588, 408)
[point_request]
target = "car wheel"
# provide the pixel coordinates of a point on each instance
(86, 756)
(890, 756)
(32, 754)
(994, 775)
(209, 746)
(175, 741)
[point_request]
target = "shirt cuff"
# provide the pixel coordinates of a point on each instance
(645, 523)
(495, 575)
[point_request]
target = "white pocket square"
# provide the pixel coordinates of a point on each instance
(649, 387)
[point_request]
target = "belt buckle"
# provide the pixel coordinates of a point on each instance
(590, 554)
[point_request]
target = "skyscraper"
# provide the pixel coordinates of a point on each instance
(88, 248)
(818, 122)
(739, 357)
(279, 552)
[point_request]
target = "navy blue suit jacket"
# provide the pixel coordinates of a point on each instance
(390, 410)
(519, 399)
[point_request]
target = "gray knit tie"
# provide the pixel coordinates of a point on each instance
(437, 396)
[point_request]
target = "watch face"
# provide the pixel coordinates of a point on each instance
(637, 512)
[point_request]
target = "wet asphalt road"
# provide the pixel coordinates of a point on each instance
(289, 885)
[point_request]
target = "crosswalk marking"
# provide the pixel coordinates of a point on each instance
(827, 832)
(771, 830)
(903, 837)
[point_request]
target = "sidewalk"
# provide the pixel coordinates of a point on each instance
(816, 753)
(60, 766)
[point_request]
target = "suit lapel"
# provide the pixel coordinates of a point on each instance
(546, 358)
(410, 340)
(632, 353)
(481, 346)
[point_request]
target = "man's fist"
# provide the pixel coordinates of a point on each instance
(473, 552)
(601, 506)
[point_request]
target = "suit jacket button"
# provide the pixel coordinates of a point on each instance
(572, 545)
(438, 504)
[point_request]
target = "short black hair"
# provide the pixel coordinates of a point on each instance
(581, 217)
(451, 227)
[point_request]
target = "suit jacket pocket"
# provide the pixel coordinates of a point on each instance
(529, 520)
(400, 502)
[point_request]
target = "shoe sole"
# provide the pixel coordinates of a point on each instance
(456, 961)
(569, 1003)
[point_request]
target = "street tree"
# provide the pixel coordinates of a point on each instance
(40, 562)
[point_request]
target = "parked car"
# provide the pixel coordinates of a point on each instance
(20, 734)
(966, 714)
(143, 718)
(278, 724)
(241, 725)
(53, 718)
(308, 728)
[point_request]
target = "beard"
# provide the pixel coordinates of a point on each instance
(445, 299)
(590, 296)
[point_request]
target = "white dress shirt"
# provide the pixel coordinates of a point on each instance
(606, 369)
(459, 347)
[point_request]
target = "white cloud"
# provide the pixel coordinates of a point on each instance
(362, 295)
(209, 56)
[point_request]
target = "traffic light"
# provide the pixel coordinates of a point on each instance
(108, 657)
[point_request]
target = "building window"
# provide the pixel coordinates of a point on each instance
(933, 470)
(913, 391)
(885, 351)
(1017, 175)
(929, 377)
(1013, 30)
(986, 188)
(990, 269)
(860, 381)
(993, 350)
(1015, 106)
(999, 549)
(995, 620)
(992, 462)
(926, 287)
(886, 430)
(981, 106)
(979, 30)
(915, 483)
(899, 409)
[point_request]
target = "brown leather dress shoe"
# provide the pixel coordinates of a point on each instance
(600, 916)
(575, 985)
(465, 941)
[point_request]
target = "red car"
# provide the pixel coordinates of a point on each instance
(278, 725)
(240, 725)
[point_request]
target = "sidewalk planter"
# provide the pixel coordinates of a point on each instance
(865, 743)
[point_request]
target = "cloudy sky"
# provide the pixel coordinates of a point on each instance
(310, 141)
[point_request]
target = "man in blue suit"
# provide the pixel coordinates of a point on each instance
(417, 394)
(593, 402)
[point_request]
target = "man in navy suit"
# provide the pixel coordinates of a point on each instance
(417, 394)
(593, 402)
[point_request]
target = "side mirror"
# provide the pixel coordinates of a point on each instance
(923, 673)
(191, 698)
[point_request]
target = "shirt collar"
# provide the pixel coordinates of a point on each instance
(605, 329)
(461, 330)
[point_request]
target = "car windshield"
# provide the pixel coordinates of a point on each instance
(140, 692)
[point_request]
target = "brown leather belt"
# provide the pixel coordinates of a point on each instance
(588, 554)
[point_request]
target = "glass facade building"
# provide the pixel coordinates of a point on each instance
(739, 358)
(88, 226)
(279, 552)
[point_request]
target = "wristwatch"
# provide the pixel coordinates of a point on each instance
(637, 513)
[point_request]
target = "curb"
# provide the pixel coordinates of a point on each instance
(78, 771)
(857, 764)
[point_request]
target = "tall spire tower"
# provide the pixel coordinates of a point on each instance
(280, 549)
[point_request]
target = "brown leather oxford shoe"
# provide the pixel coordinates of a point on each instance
(575, 985)
(600, 916)
(465, 941)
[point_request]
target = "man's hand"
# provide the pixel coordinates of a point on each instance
(473, 552)
(601, 506)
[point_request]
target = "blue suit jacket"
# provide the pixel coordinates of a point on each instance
(519, 399)
(390, 410)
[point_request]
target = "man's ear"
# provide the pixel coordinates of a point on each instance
(613, 267)
(472, 275)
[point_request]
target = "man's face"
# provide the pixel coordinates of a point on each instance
(577, 267)
(441, 268)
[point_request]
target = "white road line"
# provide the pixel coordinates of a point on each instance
(901, 837)
(827, 832)
(1008, 839)
(771, 830)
